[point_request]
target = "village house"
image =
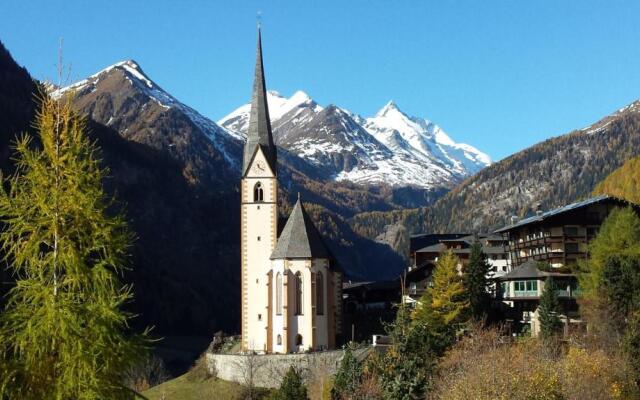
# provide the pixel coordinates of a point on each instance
(427, 248)
(545, 245)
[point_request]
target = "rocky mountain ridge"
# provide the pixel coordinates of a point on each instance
(390, 148)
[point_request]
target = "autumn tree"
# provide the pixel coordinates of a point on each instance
(444, 306)
(63, 332)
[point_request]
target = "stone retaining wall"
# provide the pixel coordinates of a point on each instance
(267, 370)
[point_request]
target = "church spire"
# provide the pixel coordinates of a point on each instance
(259, 133)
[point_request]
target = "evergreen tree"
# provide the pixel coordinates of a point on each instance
(618, 235)
(476, 282)
(348, 377)
(444, 306)
(62, 333)
(404, 369)
(549, 311)
(291, 388)
(620, 287)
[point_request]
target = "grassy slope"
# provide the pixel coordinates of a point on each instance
(182, 388)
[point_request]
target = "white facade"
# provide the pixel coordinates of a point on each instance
(259, 229)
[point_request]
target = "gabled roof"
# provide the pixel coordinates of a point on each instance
(259, 133)
(300, 238)
(561, 210)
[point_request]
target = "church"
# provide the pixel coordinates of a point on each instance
(291, 286)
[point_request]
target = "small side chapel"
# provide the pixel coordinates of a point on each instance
(291, 289)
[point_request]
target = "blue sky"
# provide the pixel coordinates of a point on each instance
(500, 75)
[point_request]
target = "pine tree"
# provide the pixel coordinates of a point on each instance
(62, 333)
(549, 311)
(476, 282)
(445, 305)
(291, 388)
(348, 377)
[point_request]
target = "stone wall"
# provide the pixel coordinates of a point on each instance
(267, 370)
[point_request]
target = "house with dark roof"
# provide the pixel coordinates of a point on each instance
(426, 249)
(548, 245)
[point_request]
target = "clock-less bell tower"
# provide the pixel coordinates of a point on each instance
(259, 209)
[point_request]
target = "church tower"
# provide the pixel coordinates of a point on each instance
(259, 216)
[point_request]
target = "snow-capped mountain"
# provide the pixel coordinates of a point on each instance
(390, 147)
(124, 98)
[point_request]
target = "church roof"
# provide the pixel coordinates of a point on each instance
(259, 133)
(300, 238)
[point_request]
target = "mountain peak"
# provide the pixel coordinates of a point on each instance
(300, 97)
(388, 108)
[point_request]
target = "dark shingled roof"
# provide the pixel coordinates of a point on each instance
(259, 134)
(300, 238)
(529, 270)
(560, 210)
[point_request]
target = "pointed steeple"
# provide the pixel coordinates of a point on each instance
(300, 238)
(259, 133)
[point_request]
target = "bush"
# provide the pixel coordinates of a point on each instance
(291, 388)
(488, 365)
(148, 373)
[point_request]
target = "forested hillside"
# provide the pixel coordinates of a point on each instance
(623, 182)
(552, 173)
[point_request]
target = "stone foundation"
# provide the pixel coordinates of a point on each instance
(267, 370)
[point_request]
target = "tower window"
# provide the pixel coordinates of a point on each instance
(279, 340)
(298, 340)
(259, 317)
(258, 238)
(258, 193)
(319, 294)
(298, 297)
(278, 294)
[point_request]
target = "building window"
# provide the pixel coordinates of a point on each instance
(278, 294)
(259, 317)
(298, 298)
(525, 288)
(571, 247)
(298, 340)
(258, 194)
(571, 230)
(279, 340)
(319, 294)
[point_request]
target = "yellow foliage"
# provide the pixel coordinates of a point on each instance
(487, 365)
(623, 182)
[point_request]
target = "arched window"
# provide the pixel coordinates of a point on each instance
(298, 340)
(298, 293)
(319, 294)
(278, 294)
(279, 340)
(258, 194)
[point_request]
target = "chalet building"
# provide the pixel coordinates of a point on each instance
(418, 242)
(546, 245)
(492, 246)
(426, 249)
(291, 286)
